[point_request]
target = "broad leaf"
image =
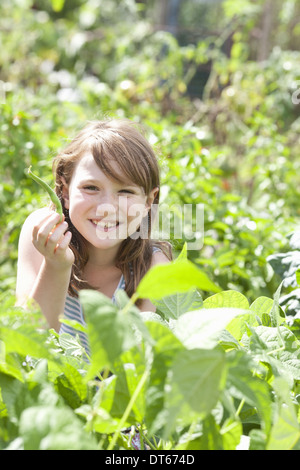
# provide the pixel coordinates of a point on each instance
(196, 379)
(167, 279)
(51, 428)
(110, 331)
(202, 328)
(175, 305)
(285, 433)
(229, 298)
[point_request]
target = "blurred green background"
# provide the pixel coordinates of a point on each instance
(216, 85)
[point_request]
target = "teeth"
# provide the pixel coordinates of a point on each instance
(104, 224)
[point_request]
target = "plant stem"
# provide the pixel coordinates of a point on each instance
(144, 437)
(240, 407)
(131, 302)
(269, 353)
(128, 409)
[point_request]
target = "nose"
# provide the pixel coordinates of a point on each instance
(107, 197)
(106, 209)
(107, 205)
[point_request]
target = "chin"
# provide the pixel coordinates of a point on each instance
(106, 243)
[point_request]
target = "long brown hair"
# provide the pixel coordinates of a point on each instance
(113, 141)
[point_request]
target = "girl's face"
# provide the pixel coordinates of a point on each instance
(104, 210)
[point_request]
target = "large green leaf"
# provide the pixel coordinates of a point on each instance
(244, 385)
(229, 298)
(277, 347)
(175, 305)
(25, 341)
(166, 346)
(167, 279)
(71, 386)
(202, 328)
(195, 381)
(110, 331)
(285, 433)
(52, 428)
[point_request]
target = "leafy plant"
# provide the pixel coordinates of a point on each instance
(287, 267)
(188, 379)
(214, 367)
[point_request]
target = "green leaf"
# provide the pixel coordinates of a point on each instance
(71, 345)
(52, 428)
(71, 386)
(298, 276)
(183, 254)
(231, 434)
(194, 385)
(99, 419)
(229, 298)
(15, 396)
(274, 313)
(285, 433)
(246, 387)
(175, 305)
(113, 397)
(262, 305)
(57, 5)
(25, 341)
(8, 365)
(167, 279)
(110, 331)
(166, 346)
(232, 299)
(202, 328)
(281, 352)
(211, 438)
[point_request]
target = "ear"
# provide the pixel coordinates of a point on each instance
(150, 199)
(65, 193)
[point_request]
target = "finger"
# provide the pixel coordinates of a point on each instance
(53, 216)
(64, 242)
(55, 235)
(42, 231)
(42, 221)
(40, 224)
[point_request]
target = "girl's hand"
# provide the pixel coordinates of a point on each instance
(50, 238)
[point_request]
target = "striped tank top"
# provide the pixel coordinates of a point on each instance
(73, 311)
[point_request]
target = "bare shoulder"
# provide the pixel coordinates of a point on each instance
(159, 258)
(29, 259)
(36, 217)
(26, 249)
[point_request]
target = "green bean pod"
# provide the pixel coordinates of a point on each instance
(52, 194)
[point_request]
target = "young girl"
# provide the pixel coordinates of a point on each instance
(107, 179)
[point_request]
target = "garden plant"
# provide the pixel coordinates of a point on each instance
(218, 365)
(212, 374)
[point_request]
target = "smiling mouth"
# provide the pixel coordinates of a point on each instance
(105, 225)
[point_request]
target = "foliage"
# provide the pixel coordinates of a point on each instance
(206, 378)
(233, 148)
(287, 267)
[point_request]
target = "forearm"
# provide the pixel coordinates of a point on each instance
(50, 290)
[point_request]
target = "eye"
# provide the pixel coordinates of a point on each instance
(126, 191)
(90, 188)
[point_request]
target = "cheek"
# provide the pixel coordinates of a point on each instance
(136, 210)
(136, 214)
(78, 200)
(78, 208)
